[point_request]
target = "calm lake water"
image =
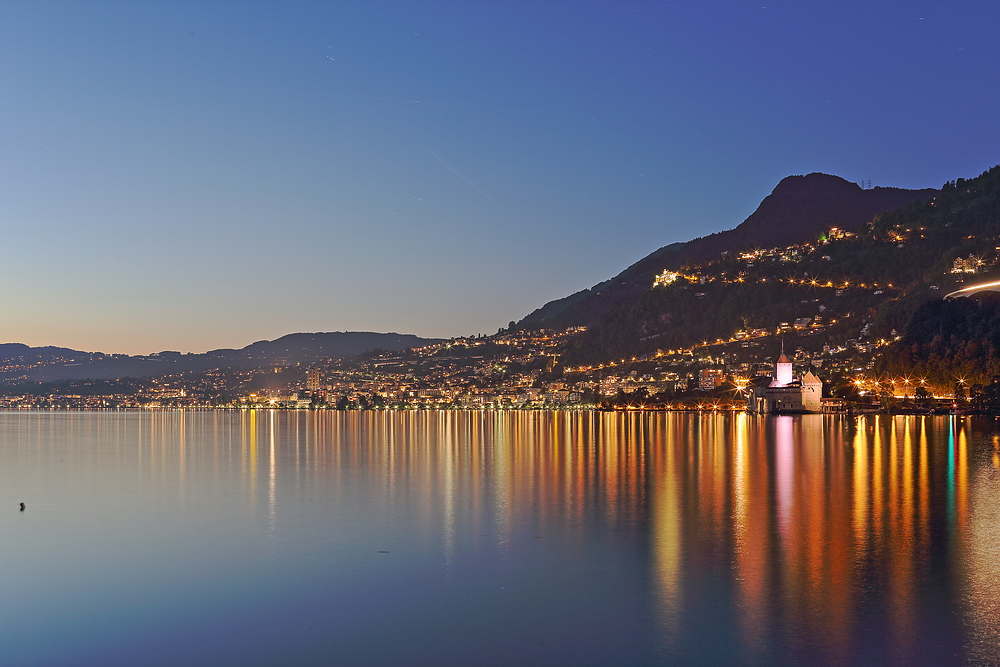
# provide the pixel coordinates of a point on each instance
(497, 538)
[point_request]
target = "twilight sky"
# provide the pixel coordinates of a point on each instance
(190, 176)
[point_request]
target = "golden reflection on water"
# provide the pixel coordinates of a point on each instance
(982, 555)
(752, 530)
(817, 523)
(667, 528)
(829, 517)
(845, 506)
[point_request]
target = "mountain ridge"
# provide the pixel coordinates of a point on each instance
(799, 208)
(59, 363)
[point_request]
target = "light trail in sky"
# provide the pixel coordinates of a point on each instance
(459, 174)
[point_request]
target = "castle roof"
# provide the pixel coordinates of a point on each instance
(809, 378)
(783, 359)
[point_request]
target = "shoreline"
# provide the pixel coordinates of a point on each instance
(629, 410)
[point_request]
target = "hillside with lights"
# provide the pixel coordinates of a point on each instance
(841, 289)
(799, 210)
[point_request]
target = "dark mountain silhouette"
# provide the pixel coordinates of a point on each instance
(309, 347)
(66, 364)
(22, 351)
(798, 210)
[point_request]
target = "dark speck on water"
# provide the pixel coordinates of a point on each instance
(22, 507)
(383, 552)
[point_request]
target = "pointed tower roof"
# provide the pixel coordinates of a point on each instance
(809, 378)
(783, 359)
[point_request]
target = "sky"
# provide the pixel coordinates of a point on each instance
(190, 176)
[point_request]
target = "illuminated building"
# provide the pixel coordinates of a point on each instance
(710, 378)
(968, 264)
(785, 393)
(666, 277)
(312, 379)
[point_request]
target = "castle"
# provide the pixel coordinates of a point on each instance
(786, 394)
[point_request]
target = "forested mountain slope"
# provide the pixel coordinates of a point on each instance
(798, 210)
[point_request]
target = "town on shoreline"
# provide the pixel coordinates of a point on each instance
(522, 371)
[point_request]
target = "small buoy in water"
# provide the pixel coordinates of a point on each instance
(22, 507)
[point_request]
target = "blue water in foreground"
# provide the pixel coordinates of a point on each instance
(482, 538)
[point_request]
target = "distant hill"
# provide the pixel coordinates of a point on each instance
(47, 353)
(309, 347)
(66, 364)
(798, 210)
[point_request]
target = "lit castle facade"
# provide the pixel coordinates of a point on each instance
(786, 394)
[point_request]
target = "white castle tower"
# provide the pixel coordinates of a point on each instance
(782, 370)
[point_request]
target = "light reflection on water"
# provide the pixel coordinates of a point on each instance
(452, 538)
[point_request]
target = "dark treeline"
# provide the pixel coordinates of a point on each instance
(948, 340)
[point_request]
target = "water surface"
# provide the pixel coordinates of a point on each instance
(497, 538)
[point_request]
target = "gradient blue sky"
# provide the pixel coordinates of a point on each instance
(202, 175)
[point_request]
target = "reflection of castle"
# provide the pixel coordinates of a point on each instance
(786, 393)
